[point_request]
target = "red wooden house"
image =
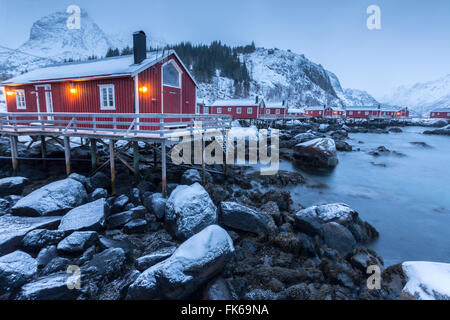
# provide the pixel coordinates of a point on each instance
(140, 83)
(276, 110)
(362, 112)
(237, 108)
(315, 111)
(441, 113)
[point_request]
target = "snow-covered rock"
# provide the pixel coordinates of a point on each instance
(189, 209)
(13, 229)
(320, 152)
(90, 216)
(55, 198)
(427, 280)
(337, 212)
(12, 185)
(241, 217)
(16, 268)
(78, 242)
(197, 260)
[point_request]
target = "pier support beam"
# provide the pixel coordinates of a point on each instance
(137, 176)
(44, 151)
(203, 161)
(113, 167)
(14, 155)
(67, 153)
(94, 163)
(163, 169)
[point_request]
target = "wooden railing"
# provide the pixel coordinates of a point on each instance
(124, 124)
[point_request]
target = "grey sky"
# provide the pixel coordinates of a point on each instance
(413, 44)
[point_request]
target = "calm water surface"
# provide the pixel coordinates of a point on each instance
(408, 201)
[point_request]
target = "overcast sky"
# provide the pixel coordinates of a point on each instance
(413, 43)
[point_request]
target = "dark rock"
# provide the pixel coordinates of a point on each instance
(363, 258)
(260, 294)
(78, 242)
(217, 290)
(343, 146)
(238, 216)
(52, 287)
(46, 255)
(55, 198)
(421, 144)
(135, 226)
(107, 264)
(90, 216)
(135, 197)
(156, 204)
(40, 238)
(189, 209)
(16, 269)
(118, 220)
(298, 244)
(99, 180)
(338, 237)
(107, 243)
(149, 260)
(271, 208)
(98, 194)
(217, 192)
(119, 203)
(57, 264)
(190, 177)
(196, 261)
(319, 152)
(12, 185)
(395, 129)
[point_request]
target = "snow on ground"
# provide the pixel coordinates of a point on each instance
(427, 280)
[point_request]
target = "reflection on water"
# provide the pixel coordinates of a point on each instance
(407, 199)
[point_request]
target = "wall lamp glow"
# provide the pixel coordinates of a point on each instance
(143, 89)
(72, 88)
(10, 93)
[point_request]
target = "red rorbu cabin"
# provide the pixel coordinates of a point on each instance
(315, 111)
(142, 83)
(442, 113)
(275, 110)
(237, 108)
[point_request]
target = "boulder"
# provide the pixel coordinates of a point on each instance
(190, 177)
(46, 255)
(99, 180)
(337, 212)
(13, 229)
(105, 265)
(126, 245)
(118, 220)
(98, 194)
(12, 185)
(16, 269)
(57, 264)
(240, 217)
(189, 209)
(319, 152)
(149, 260)
(40, 238)
(338, 237)
(55, 198)
(343, 146)
(119, 203)
(78, 242)
(156, 204)
(196, 261)
(135, 226)
(90, 216)
(52, 287)
(217, 290)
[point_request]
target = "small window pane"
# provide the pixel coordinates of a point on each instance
(171, 76)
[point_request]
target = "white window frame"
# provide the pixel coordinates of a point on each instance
(250, 110)
(267, 111)
(238, 110)
(197, 109)
(107, 86)
(229, 109)
(278, 111)
(205, 110)
(448, 114)
(180, 72)
(20, 106)
(367, 113)
(219, 110)
(350, 113)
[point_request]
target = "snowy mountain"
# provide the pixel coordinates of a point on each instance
(422, 97)
(351, 97)
(51, 41)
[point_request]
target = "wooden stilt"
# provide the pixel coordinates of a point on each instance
(113, 166)
(203, 161)
(137, 176)
(94, 154)
(67, 154)
(224, 153)
(44, 151)
(15, 162)
(163, 168)
(155, 155)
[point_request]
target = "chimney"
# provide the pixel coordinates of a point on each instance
(257, 100)
(139, 46)
(284, 101)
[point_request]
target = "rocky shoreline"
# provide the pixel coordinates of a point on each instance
(238, 237)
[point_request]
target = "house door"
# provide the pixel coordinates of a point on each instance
(171, 76)
(44, 99)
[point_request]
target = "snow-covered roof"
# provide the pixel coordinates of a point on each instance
(102, 68)
(296, 110)
(275, 105)
(236, 103)
(363, 108)
(441, 110)
(312, 108)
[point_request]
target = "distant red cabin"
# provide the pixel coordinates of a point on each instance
(315, 111)
(274, 110)
(157, 83)
(442, 113)
(237, 108)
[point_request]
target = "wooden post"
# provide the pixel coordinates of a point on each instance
(67, 153)
(163, 168)
(44, 151)
(15, 162)
(113, 167)
(137, 176)
(203, 161)
(94, 154)
(225, 152)
(155, 155)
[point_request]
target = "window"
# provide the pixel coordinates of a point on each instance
(278, 111)
(249, 110)
(238, 110)
(320, 112)
(205, 110)
(107, 97)
(219, 110)
(171, 75)
(20, 99)
(350, 113)
(197, 109)
(367, 113)
(267, 111)
(448, 114)
(229, 109)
